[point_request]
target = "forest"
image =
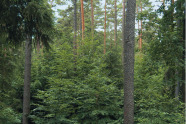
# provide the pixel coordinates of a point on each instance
(92, 62)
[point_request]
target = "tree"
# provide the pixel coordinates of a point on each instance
(105, 28)
(115, 23)
(38, 20)
(129, 63)
(75, 30)
(82, 19)
(92, 19)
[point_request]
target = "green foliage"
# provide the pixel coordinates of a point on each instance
(87, 88)
(88, 94)
(9, 116)
(153, 104)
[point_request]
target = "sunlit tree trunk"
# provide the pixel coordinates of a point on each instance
(27, 79)
(129, 35)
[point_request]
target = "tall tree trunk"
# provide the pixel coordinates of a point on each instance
(82, 19)
(105, 29)
(138, 28)
(129, 62)
(115, 24)
(92, 19)
(27, 79)
(141, 29)
(75, 33)
(123, 27)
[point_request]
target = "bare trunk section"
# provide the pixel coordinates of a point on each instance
(92, 19)
(38, 45)
(115, 24)
(129, 43)
(123, 27)
(75, 33)
(138, 28)
(82, 19)
(27, 79)
(177, 86)
(105, 29)
(141, 31)
(80, 25)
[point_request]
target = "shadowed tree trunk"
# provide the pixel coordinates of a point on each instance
(129, 62)
(105, 29)
(27, 79)
(75, 33)
(92, 19)
(115, 24)
(82, 19)
(140, 41)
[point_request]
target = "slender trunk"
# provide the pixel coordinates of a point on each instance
(177, 85)
(82, 18)
(141, 31)
(105, 29)
(75, 31)
(115, 24)
(80, 25)
(27, 79)
(92, 19)
(38, 45)
(123, 27)
(129, 62)
(138, 28)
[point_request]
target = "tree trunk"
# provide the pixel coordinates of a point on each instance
(105, 29)
(82, 18)
(138, 28)
(129, 62)
(92, 19)
(75, 33)
(177, 86)
(141, 31)
(27, 79)
(115, 24)
(80, 25)
(123, 27)
(38, 45)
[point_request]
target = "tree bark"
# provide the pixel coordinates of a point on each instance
(105, 29)
(82, 18)
(138, 28)
(75, 33)
(27, 79)
(141, 30)
(115, 24)
(92, 19)
(38, 45)
(129, 62)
